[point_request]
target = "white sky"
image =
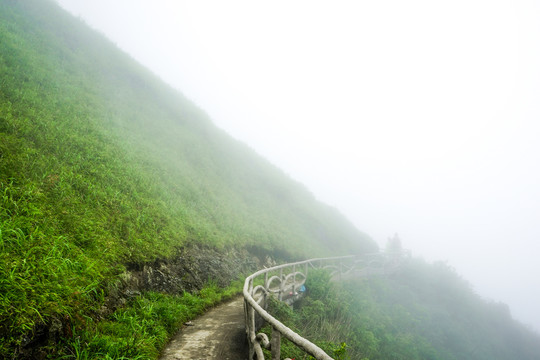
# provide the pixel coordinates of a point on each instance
(415, 117)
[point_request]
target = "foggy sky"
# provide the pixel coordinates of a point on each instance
(419, 118)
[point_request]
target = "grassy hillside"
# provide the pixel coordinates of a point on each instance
(424, 311)
(124, 211)
(105, 169)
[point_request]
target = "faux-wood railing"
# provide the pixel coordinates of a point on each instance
(284, 283)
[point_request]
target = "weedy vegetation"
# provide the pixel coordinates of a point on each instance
(424, 311)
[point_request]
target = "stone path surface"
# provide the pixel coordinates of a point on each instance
(218, 334)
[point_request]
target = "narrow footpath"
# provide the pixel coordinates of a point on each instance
(217, 334)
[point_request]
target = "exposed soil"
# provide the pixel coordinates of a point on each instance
(189, 270)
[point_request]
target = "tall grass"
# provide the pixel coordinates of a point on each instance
(102, 165)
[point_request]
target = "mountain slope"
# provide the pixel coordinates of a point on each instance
(106, 171)
(81, 100)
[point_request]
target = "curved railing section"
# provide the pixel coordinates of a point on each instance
(285, 282)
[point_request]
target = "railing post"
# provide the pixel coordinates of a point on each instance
(281, 285)
(294, 280)
(275, 344)
(265, 306)
(250, 329)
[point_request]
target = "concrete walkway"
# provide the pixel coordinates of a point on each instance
(218, 334)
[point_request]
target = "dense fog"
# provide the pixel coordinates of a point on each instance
(418, 118)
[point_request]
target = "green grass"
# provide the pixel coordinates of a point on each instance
(143, 327)
(103, 166)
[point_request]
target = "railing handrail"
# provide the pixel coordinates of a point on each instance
(282, 266)
(252, 307)
(278, 326)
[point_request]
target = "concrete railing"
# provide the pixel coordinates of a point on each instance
(285, 282)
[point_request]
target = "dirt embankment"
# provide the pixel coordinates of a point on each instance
(189, 270)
